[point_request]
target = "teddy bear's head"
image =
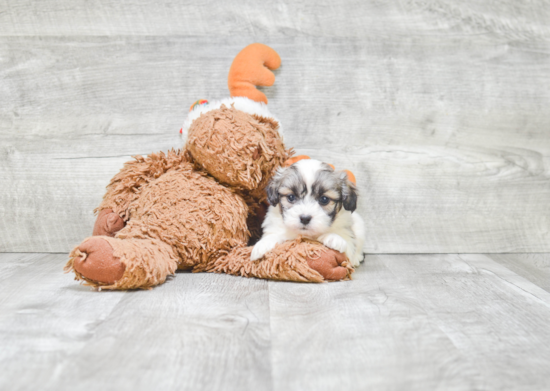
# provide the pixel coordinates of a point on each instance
(237, 140)
(238, 143)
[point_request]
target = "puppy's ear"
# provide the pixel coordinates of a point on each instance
(349, 193)
(273, 192)
(272, 188)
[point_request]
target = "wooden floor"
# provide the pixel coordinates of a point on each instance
(406, 322)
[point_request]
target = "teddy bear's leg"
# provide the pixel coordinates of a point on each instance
(298, 260)
(93, 259)
(108, 223)
(112, 263)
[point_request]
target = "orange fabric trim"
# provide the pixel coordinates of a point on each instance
(351, 177)
(295, 159)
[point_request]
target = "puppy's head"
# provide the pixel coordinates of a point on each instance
(310, 194)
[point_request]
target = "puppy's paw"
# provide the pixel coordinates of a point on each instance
(357, 258)
(261, 248)
(334, 241)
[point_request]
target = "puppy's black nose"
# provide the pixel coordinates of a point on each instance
(305, 219)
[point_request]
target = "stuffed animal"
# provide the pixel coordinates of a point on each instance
(199, 208)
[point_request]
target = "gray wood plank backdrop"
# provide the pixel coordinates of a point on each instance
(439, 107)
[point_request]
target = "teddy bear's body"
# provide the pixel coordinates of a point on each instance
(196, 209)
(196, 216)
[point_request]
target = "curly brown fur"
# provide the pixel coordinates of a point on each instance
(240, 150)
(287, 262)
(126, 185)
(190, 212)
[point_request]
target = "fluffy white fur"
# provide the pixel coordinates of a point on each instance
(346, 233)
(240, 103)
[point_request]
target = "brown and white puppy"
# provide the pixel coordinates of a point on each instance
(312, 200)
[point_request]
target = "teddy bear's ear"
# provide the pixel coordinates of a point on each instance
(250, 68)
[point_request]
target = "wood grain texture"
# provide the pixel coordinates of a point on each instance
(439, 109)
(58, 335)
(324, 18)
(44, 319)
(415, 322)
(533, 267)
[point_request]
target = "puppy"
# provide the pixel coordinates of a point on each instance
(312, 200)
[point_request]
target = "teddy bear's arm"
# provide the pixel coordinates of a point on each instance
(299, 260)
(126, 185)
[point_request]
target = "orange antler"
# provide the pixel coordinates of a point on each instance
(251, 68)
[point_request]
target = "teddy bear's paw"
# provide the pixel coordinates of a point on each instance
(329, 265)
(108, 223)
(95, 261)
(334, 241)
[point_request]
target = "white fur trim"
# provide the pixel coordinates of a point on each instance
(240, 103)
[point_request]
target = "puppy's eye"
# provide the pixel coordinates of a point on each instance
(291, 198)
(324, 200)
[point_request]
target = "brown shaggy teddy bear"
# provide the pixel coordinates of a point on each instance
(198, 209)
